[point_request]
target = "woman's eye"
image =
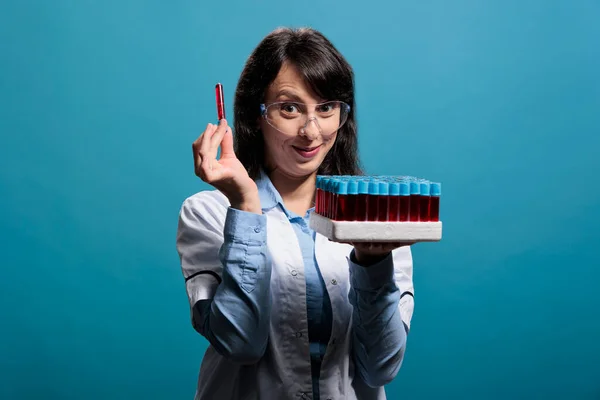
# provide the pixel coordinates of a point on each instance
(289, 108)
(325, 108)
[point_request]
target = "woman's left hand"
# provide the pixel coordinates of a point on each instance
(369, 253)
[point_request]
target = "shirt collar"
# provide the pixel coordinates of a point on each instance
(269, 196)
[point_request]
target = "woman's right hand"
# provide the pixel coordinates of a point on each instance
(227, 174)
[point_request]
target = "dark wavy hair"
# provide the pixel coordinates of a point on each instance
(325, 71)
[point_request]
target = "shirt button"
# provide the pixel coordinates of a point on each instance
(298, 334)
(333, 282)
(294, 272)
(257, 229)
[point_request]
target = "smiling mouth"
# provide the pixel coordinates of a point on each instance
(307, 152)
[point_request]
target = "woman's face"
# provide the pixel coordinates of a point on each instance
(294, 152)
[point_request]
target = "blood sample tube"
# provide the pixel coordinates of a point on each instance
(383, 202)
(361, 201)
(434, 209)
(404, 211)
(327, 200)
(220, 101)
(342, 200)
(352, 198)
(373, 201)
(394, 204)
(324, 181)
(415, 191)
(333, 199)
(318, 193)
(424, 202)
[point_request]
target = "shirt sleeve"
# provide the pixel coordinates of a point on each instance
(380, 325)
(227, 271)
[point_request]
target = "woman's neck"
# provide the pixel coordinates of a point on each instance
(297, 193)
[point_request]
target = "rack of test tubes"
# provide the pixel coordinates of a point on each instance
(377, 208)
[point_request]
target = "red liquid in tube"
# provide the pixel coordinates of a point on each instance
(404, 202)
(424, 203)
(434, 209)
(415, 201)
(220, 101)
(342, 201)
(352, 197)
(373, 201)
(404, 212)
(394, 202)
(434, 205)
(383, 202)
(361, 201)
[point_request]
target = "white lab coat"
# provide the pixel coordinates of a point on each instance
(284, 372)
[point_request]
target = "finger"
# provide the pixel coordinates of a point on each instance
(200, 153)
(217, 136)
(205, 143)
(196, 145)
(227, 145)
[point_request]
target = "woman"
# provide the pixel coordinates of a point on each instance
(288, 313)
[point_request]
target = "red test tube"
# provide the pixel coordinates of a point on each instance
(361, 200)
(415, 200)
(220, 101)
(342, 200)
(394, 206)
(383, 202)
(318, 195)
(434, 210)
(404, 210)
(424, 202)
(352, 199)
(334, 199)
(373, 201)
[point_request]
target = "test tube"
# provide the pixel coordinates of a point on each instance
(341, 213)
(352, 199)
(324, 183)
(318, 194)
(394, 203)
(220, 101)
(383, 202)
(373, 201)
(424, 203)
(361, 200)
(415, 192)
(434, 209)
(404, 211)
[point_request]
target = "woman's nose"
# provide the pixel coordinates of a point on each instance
(311, 129)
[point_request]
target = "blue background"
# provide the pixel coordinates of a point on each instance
(99, 105)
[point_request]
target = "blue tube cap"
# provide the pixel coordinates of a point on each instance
(404, 188)
(394, 189)
(352, 186)
(342, 187)
(436, 189)
(363, 187)
(415, 188)
(384, 188)
(373, 187)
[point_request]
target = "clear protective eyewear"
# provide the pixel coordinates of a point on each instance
(291, 117)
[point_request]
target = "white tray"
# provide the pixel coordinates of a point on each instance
(355, 231)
